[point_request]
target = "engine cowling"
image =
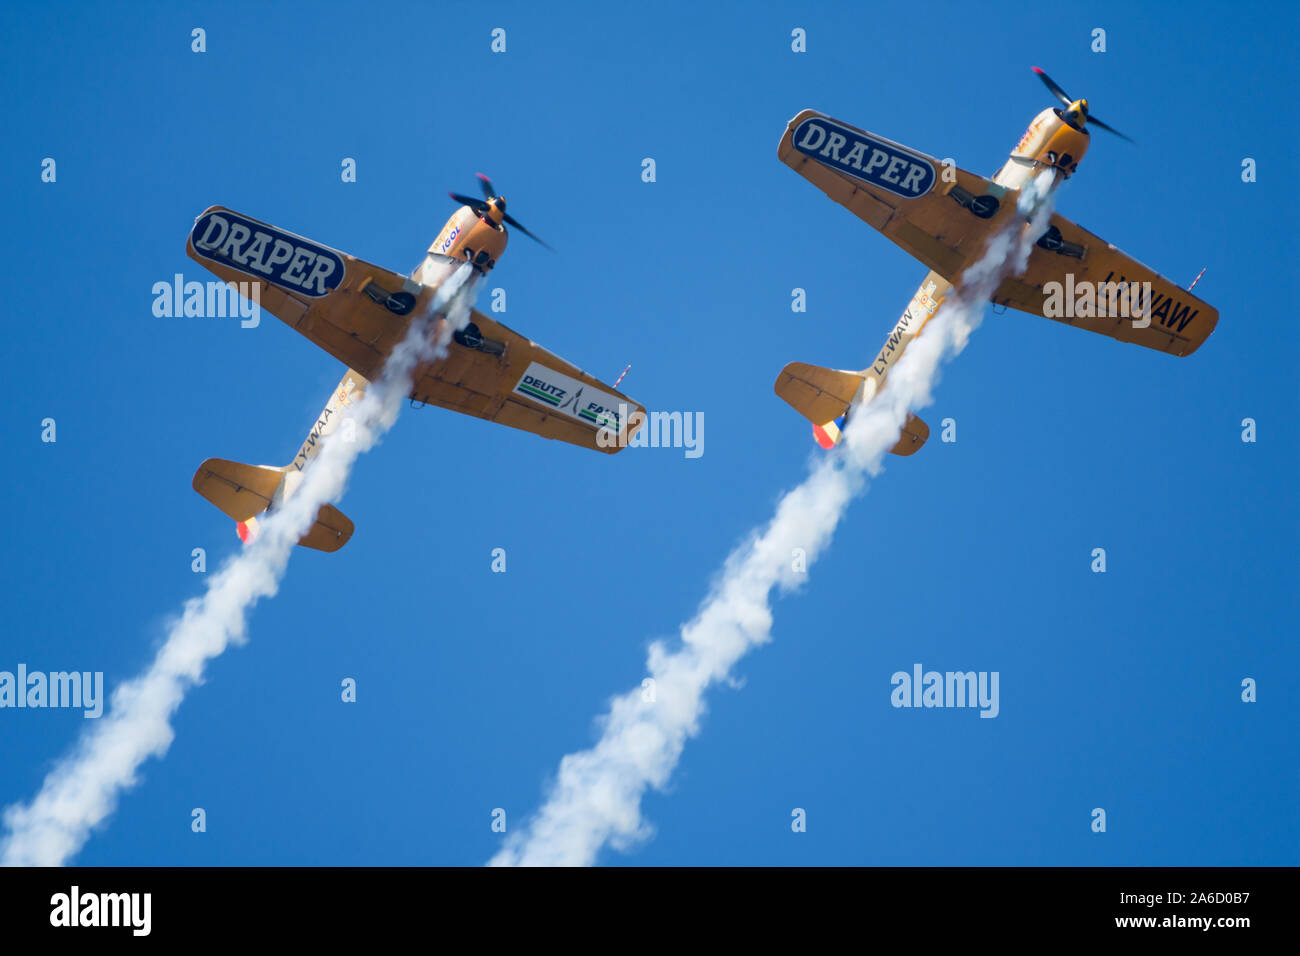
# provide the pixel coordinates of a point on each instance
(1052, 141)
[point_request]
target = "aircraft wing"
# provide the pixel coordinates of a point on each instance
(495, 373)
(1179, 322)
(359, 312)
(942, 216)
(338, 301)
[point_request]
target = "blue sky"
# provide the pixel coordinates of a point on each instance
(1119, 690)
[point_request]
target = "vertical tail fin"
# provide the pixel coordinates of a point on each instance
(828, 435)
(247, 530)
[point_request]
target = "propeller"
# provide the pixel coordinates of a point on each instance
(1068, 103)
(490, 197)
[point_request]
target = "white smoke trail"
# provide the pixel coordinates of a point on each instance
(83, 788)
(596, 797)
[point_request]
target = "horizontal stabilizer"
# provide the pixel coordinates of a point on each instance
(330, 532)
(915, 432)
(819, 394)
(239, 490)
(244, 491)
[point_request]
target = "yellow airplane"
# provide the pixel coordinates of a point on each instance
(943, 216)
(359, 312)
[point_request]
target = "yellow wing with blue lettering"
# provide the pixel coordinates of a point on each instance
(936, 214)
(359, 312)
(354, 310)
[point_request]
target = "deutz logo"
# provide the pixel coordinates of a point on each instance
(570, 396)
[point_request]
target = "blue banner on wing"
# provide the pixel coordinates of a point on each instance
(264, 252)
(876, 161)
